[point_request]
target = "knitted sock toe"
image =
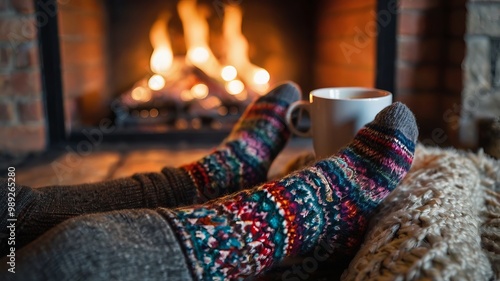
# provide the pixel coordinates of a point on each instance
(244, 158)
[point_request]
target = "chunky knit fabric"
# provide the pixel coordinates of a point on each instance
(244, 158)
(245, 233)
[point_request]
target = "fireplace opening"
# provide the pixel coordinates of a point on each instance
(101, 69)
(178, 66)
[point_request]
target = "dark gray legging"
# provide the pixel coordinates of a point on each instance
(119, 245)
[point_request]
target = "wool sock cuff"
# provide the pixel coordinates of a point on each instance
(179, 187)
(170, 188)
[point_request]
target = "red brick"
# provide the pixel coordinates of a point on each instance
(83, 80)
(456, 25)
(424, 104)
(81, 24)
(457, 3)
(346, 51)
(421, 23)
(87, 6)
(451, 110)
(417, 50)
(31, 111)
(5, 57)
(426, 107)
(453, 80)
(420, 4)
(21, 83)
(23, 139)
(24, 6)
(26, 55)
(359, 23)
(341, 76)
(456, 51)
(16, 30)
(328, 6)
(78, 53)
(410, 77)
(6, 112)
(4, 83)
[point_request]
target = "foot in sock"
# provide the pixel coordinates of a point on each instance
(241, 161)
(330, 202)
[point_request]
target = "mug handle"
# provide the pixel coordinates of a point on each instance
(301, 105)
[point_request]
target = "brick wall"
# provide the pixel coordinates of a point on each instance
(428, 69)
(22, 123)
(346, 44)
(82, 28)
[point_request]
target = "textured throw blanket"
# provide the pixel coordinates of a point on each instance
(441, 223)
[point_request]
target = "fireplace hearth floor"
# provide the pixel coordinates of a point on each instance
(121, 160)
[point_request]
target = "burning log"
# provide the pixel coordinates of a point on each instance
(194, 89)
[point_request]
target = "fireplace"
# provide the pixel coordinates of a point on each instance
(95, 64)
(215, 62)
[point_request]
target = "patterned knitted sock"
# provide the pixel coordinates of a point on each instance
(243, 159)
(245, 233)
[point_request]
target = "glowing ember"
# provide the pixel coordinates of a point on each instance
(199, 91)
(156, 82)
(209, 90)
(186, 95)
(162, 57)
(154, 113)
(210, 103)
(235, 87)
(229, 73)
(198, 55)
(141, 94)
(261, 77)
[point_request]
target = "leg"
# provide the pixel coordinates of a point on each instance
(243, 234)
(121, 245)
(241, 161)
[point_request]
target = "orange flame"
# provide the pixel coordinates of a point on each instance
(196, 34)
(162, 57)
(237, 52)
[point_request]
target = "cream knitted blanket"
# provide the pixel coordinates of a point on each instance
(441, 223)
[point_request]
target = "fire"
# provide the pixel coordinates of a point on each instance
(200, 91)
(196, 35)
(162, 57)
(239, 77)
(235, 87)
(141, 94)
(229, 73)
(156, 82)
(237, 53)
(199, 55)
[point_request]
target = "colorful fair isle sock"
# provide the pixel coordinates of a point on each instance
(243, 159)
(245, 233)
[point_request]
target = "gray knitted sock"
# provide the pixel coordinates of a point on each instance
(39, 209)
(121, 245)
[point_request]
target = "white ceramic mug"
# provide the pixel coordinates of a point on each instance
(337, 114)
